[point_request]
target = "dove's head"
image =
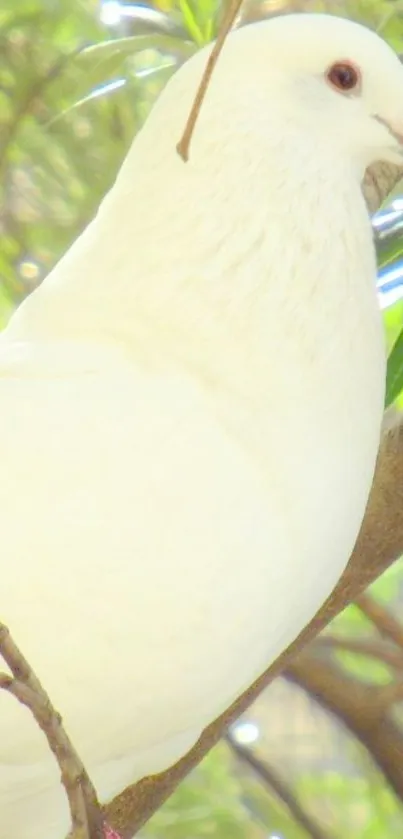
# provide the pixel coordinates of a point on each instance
(336, 80)
(344, 82)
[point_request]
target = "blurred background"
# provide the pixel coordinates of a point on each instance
(320, 754)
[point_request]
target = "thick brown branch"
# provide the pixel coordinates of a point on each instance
(383, 619)
(389, 696)
(85, 812)
(274, 783)
(379, 544)
(361, 707)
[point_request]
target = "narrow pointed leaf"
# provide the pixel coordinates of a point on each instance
(394, 378)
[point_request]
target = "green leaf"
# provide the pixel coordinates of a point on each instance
(191, 23)
(101, 65)
(390, 250)
(136, 44)
(162, 73)
(394, 376)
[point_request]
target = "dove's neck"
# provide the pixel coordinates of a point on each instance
(217, 268)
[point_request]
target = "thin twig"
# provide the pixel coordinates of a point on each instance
(227, 23)
(86, 815)
(272, 781)
(385, 622)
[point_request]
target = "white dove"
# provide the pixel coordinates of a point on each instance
(190, 409)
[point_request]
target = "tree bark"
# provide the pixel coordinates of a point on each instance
(364, 709)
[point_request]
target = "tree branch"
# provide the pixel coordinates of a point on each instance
(86, 814)
(361, 707)
(383, 619)
(274, 783)
(380, 542)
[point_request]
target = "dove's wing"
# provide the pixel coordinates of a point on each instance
(123, 506)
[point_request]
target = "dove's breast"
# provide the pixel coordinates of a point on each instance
(151, 564)
(129, 521)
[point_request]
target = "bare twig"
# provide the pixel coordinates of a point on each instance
(272, 781)
(385, 622)
(227, 23)
(86, 814)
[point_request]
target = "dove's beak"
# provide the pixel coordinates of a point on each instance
(395, 130)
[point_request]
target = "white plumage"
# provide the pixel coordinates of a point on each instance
(190, 408)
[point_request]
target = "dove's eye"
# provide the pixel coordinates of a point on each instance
(343, 76)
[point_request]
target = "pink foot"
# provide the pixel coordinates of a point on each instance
(109, 833)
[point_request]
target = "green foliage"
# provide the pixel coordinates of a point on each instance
(207, 804)
(394, 379)
(389, 252)
(365, 808)
(71, 99)
(221, 800)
